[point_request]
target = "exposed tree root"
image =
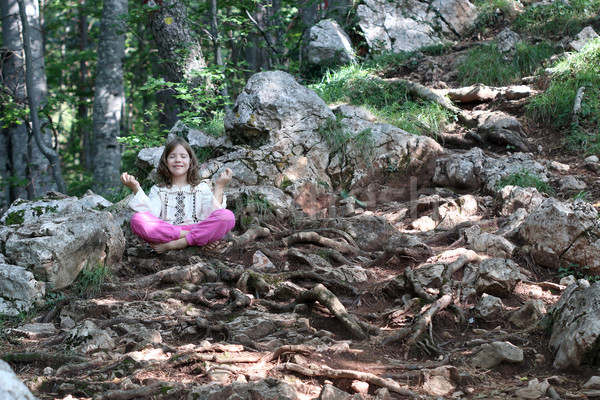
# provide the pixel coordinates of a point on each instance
(410, 275)
(191, 274)
(424, 320)
(144, 392)
(315, 238)
(79, 367)
(321, 294)
(479, 93)
(251, 235)
(49, 358)
(326, 372)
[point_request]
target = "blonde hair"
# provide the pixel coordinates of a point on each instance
(162, 172)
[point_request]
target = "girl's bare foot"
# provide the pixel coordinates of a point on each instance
(177, 244)
(219, 245)
(212, 246)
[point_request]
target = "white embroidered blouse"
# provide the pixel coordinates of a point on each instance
(185, 206)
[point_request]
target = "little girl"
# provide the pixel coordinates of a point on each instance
(180, 210)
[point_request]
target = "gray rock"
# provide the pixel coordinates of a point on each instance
(19, 290)
(529, 314)
(576, 326)
(329, 45)
(498, 277)
(411, 25)
(553, 247)
(11, 388)
(490, 355)
(489, 306)
(269, 388)
(56, 247)
(588, 33)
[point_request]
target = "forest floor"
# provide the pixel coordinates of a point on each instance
(191, 353)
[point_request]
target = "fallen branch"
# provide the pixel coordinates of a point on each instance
(314, 371)
(577, 105)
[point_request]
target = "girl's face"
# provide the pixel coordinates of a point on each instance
(178, 162)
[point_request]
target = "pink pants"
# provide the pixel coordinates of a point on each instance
(154, 230)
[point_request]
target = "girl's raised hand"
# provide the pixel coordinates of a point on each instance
(224, 178)
(130, 182)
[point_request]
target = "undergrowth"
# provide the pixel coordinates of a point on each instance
(555, 105)
(525, 178)
(559, 18)
(501, 69)
(388, 100)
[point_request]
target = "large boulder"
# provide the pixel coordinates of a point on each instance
(475, 170)
(275, 109)
(576, 324)
(575, 244)
(56, 245)
(404, 26)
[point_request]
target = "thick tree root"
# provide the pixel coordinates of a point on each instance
(326, 372)
(251, 235)
(423, 322)
(145, 392)
(191, 274)
(49, 358)
(322, 295)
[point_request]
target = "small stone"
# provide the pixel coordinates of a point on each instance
(360, 387)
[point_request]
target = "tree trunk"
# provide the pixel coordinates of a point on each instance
(178, 47)
(34, 94)
(214, 32)
(41, 172)
(4, 171)
(109, 100)
(180, 52)
(85, 155)
(257, 56)
(13, 75)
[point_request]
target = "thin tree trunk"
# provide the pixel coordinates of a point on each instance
(109, 100)
(14, 80)
(214, 32)
(4, 171)
(48, 152)
(85, 156)
(42, 176)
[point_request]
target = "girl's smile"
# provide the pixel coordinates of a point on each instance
(178, 162)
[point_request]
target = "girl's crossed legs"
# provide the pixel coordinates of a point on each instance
(163, 236)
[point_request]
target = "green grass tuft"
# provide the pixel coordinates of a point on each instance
(500, 71)
(525, 178)
(558, 19)
(388, 100)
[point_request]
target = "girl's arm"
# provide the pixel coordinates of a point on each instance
(222, 181)
(130, 182)
(140, 202)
